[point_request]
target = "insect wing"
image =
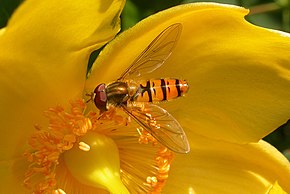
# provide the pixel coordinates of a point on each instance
(155, 54)
(161, 125)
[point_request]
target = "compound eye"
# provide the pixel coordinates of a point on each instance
(101, 97)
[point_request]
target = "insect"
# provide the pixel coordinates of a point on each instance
(137, 98)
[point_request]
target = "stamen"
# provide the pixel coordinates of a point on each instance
(163, 161)
(145, 137)
(144, 165)
(58, 191)
(152, 181)
(48, 144)
(136, 161)
(85, 147)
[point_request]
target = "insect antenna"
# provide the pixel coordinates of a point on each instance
(91, 95)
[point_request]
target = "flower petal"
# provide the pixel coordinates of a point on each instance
(44, 52)
(2, 30)
(54, 59)
(276, 189)
(220, 167)
(42, 66)
(238, 73)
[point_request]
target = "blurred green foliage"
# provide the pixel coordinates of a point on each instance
(273, 14)
(264, 13)
(6, 9)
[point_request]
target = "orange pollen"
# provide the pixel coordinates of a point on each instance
(58, 191)
(85, 147)
(163, 160)
(64, 131)
(48, 144)
(145, 137)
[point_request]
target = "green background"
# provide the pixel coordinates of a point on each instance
(266, 13)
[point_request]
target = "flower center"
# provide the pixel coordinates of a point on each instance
(96, 162)
(90, 153)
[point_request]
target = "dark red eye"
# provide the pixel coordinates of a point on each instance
(101, 97)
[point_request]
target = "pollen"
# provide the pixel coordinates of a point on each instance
(144, 162)
(49, 143)
(161, 163)
(152, 181)
(145, 137)
(58, 191)
(85, 147)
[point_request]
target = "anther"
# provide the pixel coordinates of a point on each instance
(152, 180)
(85, 147)
(58, 191)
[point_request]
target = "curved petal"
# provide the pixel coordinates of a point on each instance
(2, 30)
(276, 189)
(43, 58)
(41, 66)
(220, 167)
(238, 73)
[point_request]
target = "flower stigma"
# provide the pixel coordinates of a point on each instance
(83, 151)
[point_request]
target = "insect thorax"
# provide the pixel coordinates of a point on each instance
(117, 93)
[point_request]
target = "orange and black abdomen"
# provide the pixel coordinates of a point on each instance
(161, 89)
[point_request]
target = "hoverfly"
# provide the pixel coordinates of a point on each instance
(136, 98)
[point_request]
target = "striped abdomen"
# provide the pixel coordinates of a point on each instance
(161, 89)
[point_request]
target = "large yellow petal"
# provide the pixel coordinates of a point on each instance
(238, 73)
(276, 189)
(47, 44)
(44, 53)
(220, 167)
(43, 58)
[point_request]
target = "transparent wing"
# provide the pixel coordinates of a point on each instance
(155, 54)
(161, 125)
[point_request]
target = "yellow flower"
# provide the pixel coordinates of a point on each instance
(239, 79)
(44, 53)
